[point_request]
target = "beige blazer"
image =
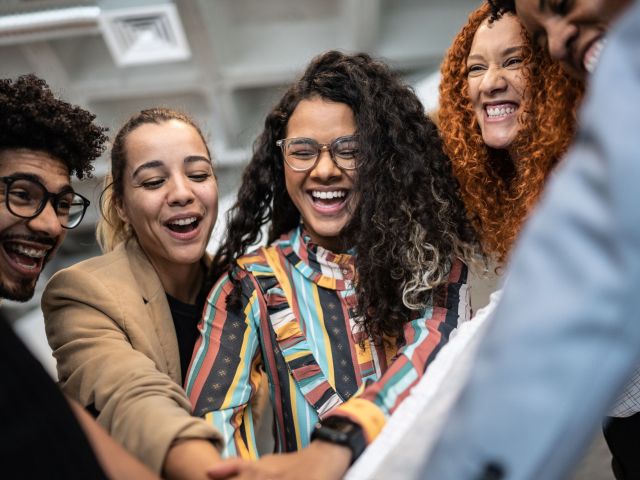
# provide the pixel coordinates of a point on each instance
(108, 322)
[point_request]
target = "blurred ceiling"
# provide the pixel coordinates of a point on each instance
(225, 62)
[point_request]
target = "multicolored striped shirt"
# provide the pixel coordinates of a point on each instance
(297, 322)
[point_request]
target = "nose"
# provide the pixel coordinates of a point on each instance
(181, 192)
(46, 223)
(325, 168)
(560, 37)
(493, 81)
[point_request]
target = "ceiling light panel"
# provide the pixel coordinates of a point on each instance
(143, 35)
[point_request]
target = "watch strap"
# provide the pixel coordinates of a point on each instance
(341, 431)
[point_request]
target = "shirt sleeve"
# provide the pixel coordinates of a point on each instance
(424, 337)
(225, 371)
(140, 405)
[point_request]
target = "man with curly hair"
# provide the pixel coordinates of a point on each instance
(43, 140)
(565, 336)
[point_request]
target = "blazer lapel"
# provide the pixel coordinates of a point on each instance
(159, 317)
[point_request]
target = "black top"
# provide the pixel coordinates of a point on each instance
(185, 319)
(41, 437)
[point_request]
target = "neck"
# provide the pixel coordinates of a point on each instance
(181, 281)
(512, 152)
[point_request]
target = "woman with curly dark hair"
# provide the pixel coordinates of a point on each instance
(347, 163)
(507, 115)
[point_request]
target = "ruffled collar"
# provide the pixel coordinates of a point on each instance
(335, 271)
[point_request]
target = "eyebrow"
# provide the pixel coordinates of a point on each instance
(27, 176)
(506, 51)
(147, 165)
(40, 180)
(160, 163)
(196, 158)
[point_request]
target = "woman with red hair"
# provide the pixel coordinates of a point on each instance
(507, 115)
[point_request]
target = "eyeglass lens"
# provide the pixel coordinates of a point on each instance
(301, 153)
(26, 199)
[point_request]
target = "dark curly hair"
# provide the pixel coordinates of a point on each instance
(32, 117)
(497, 192)
(409, 223)
(500, 7)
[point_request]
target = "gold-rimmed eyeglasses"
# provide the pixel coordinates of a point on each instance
(302, 154)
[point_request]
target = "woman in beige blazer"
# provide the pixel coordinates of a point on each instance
(122, 326)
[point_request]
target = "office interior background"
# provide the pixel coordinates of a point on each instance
(226, 62)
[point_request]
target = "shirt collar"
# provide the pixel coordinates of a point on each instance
(321, 266)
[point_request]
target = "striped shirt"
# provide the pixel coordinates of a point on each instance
(297, 322)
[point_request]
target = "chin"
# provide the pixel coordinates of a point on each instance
(499, 143)
(188, 258)
(18, 293)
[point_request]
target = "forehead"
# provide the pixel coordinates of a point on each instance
(321, 119)
(53, 173)
(172, 139)
(500, 34)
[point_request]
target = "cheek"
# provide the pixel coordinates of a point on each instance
(472, 88)
(473, 95)
(61, 238)
(519, 83)
(141, 206)
(208, 195)
(293, 181)
(351, 176)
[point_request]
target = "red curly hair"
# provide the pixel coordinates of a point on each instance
(497, 192)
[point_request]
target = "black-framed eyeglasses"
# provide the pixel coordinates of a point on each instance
(26, 198)
(301, 154)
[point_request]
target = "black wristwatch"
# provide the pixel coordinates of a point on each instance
(341, 431)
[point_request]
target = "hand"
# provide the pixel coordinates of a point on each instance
(189, 459)
(319, 461)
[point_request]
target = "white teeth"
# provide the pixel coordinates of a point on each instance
(328, 195)
(28, 252)
(184, 221)
(593, 55)
(500, 111)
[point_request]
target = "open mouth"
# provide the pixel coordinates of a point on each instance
(329, 200)
(592, 55)
(500, 111)
(183, 225)
(27, 259)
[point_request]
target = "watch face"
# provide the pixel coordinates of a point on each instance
(340, 424)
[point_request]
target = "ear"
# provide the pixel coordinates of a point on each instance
(122, 213)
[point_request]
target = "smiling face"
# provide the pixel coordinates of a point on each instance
(26, 245)
(496, 81)
(572, 31)
(170, 195)
(322, 195)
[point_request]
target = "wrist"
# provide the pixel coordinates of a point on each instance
(329, 457)
(343, 433)
(189, 458)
